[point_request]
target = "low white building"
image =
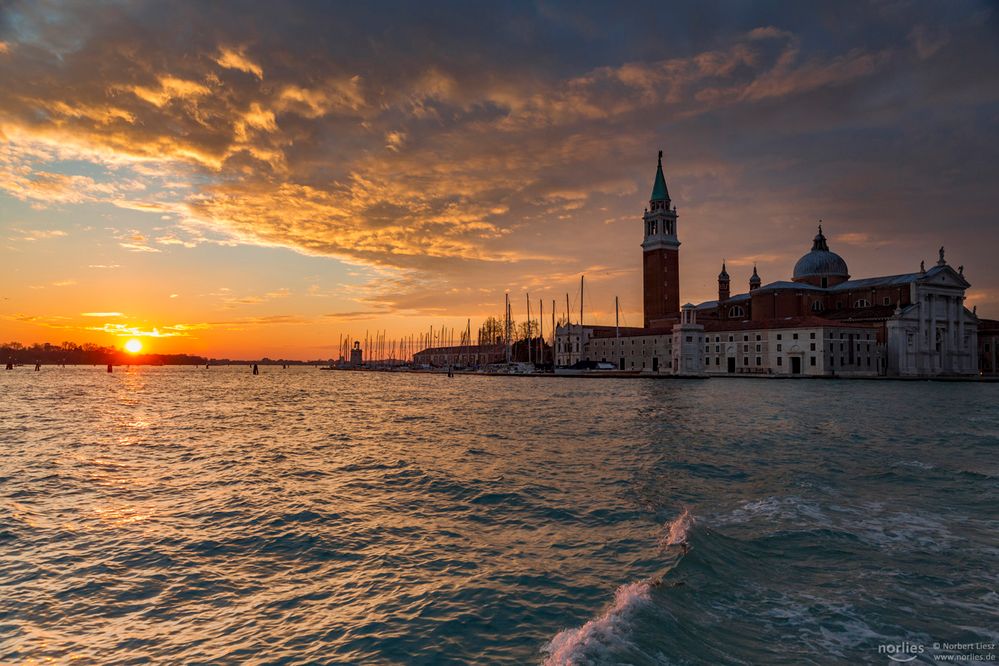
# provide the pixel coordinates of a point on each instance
(794, 346)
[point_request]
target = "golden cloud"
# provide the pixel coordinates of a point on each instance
(431, 176)
(170, 88)
(41, 234)
(232, 58)
(335, 95)
(125, 330)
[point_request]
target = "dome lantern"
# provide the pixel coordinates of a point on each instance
(821, 267)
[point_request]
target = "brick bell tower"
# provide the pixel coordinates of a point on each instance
(660, 253)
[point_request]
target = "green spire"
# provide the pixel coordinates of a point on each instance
(659, 191)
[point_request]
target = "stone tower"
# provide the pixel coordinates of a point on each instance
(724, 287)
(660, 254)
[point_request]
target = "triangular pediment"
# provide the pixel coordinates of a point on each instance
(944, 276)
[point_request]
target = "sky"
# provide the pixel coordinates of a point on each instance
(244, 179)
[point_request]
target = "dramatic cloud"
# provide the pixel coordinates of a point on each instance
(457, 152)
(235, 59)
(125, 330)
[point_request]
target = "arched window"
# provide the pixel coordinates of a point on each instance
(736, 311)
(817, 306)
(862, 303)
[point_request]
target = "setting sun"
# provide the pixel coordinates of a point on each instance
(133, 346)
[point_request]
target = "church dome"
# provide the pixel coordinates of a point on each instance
(820, 262)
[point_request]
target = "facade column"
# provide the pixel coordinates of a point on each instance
(952, 324)
(959, 311)
(923, 335)
(933, 332)
(946, 343)
(955, 324)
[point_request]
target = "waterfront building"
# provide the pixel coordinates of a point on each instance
(460, 356)
(821, 322)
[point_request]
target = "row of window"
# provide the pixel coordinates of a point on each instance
(811, 361)
(817, 306)
(655, 363)
(731, 338)
(759, 361)
(843, 348)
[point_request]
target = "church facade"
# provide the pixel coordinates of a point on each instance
(820, 322)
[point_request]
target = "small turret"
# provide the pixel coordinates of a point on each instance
(754, 281)
(723, 284)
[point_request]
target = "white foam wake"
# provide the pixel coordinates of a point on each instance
(611, 629)
(675, 532)
(571, 646)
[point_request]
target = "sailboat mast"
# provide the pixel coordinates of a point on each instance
(617, 320)
(553, 333)
(581, 302)
(506, 327)
(541, 331)
(527, 329)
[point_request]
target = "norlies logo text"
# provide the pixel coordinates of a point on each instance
(902, 652)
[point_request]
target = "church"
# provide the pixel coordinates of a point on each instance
(820, 322)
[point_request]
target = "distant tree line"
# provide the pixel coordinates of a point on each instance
(70, 353)
(524, 339)
(491, 332)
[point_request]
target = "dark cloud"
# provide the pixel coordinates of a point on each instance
(467, 148)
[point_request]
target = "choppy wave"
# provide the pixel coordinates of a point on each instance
(676, 530)
(611, 630)
(170, 515)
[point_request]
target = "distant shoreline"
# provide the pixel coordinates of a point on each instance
(538, 375)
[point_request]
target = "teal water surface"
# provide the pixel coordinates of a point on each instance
(185, 515)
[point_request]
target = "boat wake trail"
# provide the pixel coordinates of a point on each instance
(610, 631)
(675, 532)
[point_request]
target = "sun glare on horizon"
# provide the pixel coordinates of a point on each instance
(133, 346)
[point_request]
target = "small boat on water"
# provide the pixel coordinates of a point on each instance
(596, 368)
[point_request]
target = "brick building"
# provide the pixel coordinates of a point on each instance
(820, 322)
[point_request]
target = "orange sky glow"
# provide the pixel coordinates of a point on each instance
(262, 186)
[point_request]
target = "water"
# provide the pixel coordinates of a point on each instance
(182, 515)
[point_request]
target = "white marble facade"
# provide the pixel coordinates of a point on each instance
(935, 335)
